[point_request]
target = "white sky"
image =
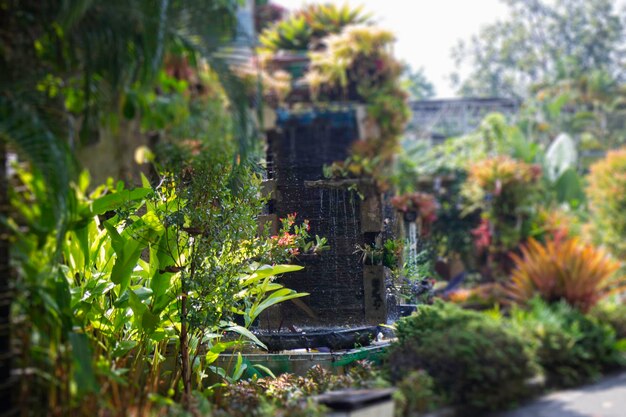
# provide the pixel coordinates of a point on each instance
(426, 30)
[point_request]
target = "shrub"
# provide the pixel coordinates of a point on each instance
(614, 314)
(415, 394)
(506, 191)
(564, 269)
(482, 296)
(570, 347)
(287, 394)
(306, 27)
(474, 359)
(607, 200)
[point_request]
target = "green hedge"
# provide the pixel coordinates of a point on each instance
(483, 360)
(571, 347)
(475, 359)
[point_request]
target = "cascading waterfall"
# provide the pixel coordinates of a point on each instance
(354, 219)
(321, 216)
(342, 290)
(412, 255)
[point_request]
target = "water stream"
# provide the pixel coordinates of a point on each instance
(412, 253)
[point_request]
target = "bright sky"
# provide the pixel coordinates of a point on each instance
(428, 29)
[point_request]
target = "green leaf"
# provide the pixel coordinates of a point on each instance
(117, 242)
(118, 199)
(82, 236)
(123, 347)
(122, 300)
(83, 369)
(265, 369)
(275, 298)
(217, 349)
(150, 321)
(239, 368)
(138, 308)
(218, 370)
(136, 238)
(125, 263)
(247, 334)
(145, 182)
(268, 271)
(143, 293)
(569, 188)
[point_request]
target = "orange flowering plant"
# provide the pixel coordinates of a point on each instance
(294, 239)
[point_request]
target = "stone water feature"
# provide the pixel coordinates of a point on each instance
(347, 299)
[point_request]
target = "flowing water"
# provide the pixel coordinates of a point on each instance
(412, 253)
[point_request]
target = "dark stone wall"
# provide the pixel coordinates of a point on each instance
(297, 151)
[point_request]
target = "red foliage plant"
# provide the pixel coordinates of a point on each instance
(564, 269)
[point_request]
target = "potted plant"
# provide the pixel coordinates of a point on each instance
(286, 43)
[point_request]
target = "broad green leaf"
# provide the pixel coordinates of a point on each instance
(143, 293)
(118, 199)
(136, 238)
(123, 347)
(275, 298)
(218, 370)
(145, 182)
(268, 271)
(569, 187)
(82, 236)
(138, 309)
(239, 367)
(83, 369)
(117, 242)
(150, 321)
(153, 222)
(217, 349)
(247, 334)
(125, 263)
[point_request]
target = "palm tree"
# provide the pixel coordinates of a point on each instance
(91, 51)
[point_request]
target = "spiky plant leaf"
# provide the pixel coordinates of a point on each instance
(568, 270)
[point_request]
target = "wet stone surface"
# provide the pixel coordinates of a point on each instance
(298, 150)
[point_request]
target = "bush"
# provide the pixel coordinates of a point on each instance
(613, 314)
(507, 192)
(570, 347)
(474, 359)
(607, 200)
(288, 394)
(564, 269)
(306, 28)
(415, 394)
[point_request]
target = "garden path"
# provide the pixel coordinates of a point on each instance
(606, 398)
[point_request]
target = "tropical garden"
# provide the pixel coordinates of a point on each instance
(132, 254)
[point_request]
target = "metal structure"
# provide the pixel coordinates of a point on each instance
(437, 120)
